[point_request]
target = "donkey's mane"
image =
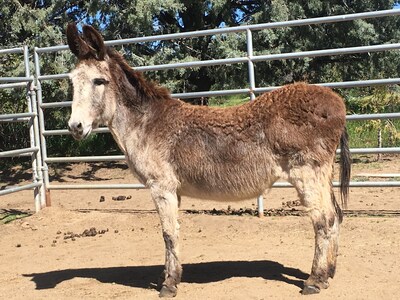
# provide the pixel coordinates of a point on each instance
(146, 89)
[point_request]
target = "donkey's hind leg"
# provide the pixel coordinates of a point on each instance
(313, 185)
(167, 206)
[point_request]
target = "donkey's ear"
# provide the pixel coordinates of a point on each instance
(95, 41)
(76, 44)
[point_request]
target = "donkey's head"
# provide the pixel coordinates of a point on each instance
(94, 97)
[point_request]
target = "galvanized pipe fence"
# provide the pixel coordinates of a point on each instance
(250, 59)
(31, 117)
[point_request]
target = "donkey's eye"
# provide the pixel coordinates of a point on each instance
(100, 81)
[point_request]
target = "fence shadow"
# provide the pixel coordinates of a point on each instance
(62, 171)
(13, 175)
(146, 276)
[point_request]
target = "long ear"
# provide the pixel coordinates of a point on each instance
(76, 44)
(95, 41)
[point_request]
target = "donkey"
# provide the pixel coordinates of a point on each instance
(177, 149)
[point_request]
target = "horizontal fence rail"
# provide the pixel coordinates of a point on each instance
(20, 188)
(19, 50)
(100, 158)
(139, 186)
(355, 117)
(16, 79)
(17, 152)
(345, 84)
(22, 117)
(257, 58)
(13, 85)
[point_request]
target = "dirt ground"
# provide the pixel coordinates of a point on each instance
(84, 248)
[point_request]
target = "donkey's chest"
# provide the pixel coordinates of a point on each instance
(150, 164)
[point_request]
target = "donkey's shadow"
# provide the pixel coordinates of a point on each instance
(146, 276)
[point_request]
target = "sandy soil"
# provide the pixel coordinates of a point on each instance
(224, 256)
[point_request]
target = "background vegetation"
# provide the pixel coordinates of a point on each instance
(42, 23)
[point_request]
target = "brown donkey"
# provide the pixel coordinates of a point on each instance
(177, 149)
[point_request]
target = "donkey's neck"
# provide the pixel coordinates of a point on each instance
(136, 101)
(121, 126)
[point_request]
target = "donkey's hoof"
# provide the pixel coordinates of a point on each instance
(168, 291)
(310, 289)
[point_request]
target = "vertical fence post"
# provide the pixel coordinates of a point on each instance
(260, 205)
(252, 85)
(45, 170)
(34, 136)
(250, 64)
(36, 157)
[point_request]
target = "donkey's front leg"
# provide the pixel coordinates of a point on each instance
(167, 206)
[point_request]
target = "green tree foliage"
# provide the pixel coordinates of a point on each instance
(42, 23)
(32, 23)
(326, 36)
(377, 133)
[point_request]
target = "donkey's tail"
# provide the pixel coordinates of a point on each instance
(345, 168)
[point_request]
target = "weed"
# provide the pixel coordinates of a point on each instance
(9, 215)
(360, 179)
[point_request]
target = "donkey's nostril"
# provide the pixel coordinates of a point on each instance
(75, 127)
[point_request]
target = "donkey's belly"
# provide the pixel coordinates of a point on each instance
(229, 188)
(218, 195)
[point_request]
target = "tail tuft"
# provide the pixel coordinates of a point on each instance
(345, 168)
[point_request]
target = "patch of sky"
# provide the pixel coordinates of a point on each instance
(102, 19)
